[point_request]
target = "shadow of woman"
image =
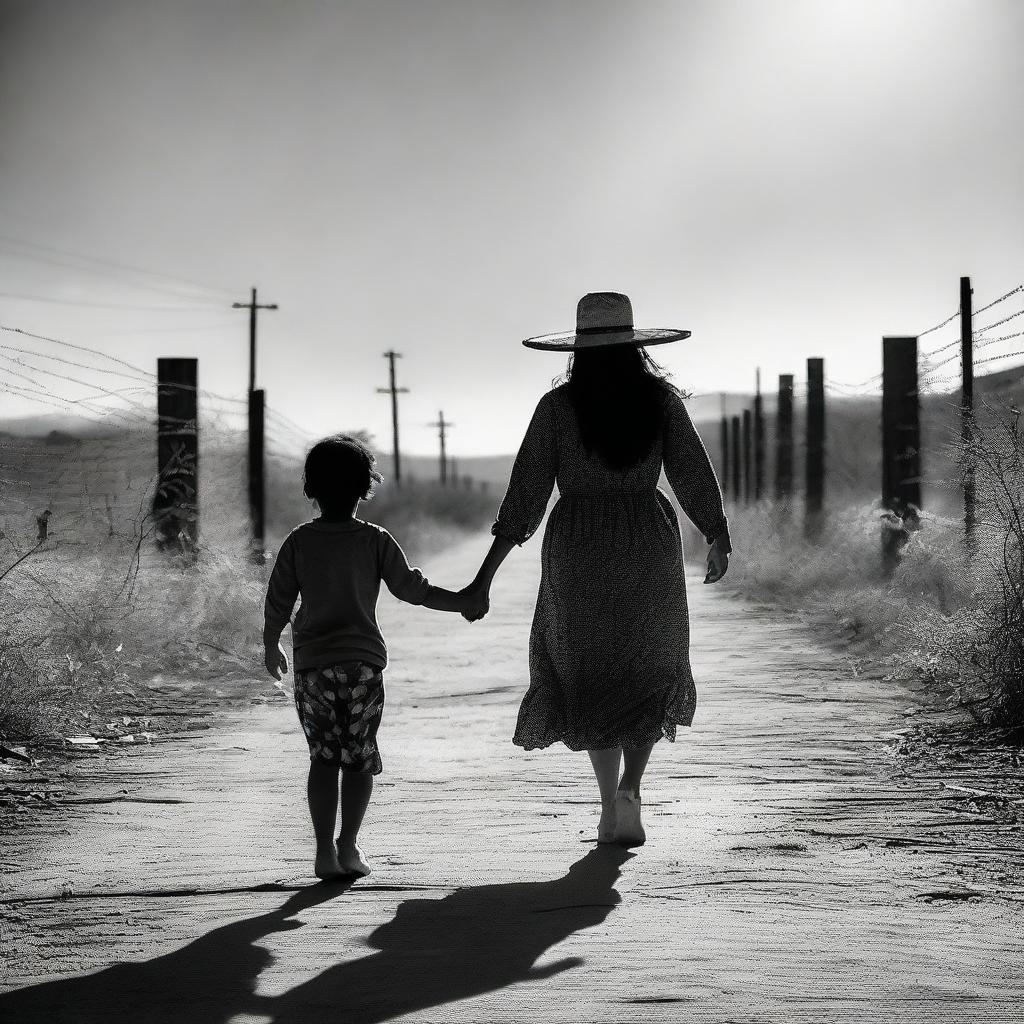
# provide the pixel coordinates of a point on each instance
(209, 980)
(479, 939)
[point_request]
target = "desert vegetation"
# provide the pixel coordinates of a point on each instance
(93, 611)
(951, 612)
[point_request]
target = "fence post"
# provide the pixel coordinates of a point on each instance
(901, 442)
(967, 399)
(747, 492)
(176, 500)
(814, 488)
(736, 458)
(784, 439)
(257, 499)
(758, 442)
(725, 451)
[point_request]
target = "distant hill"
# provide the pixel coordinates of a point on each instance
(61, 423)
(494, 469)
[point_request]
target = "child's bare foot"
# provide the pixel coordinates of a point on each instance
(351, 859)
(326, 865)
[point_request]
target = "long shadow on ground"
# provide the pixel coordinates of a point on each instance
(477, 940)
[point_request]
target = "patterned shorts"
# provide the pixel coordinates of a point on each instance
(340, 708)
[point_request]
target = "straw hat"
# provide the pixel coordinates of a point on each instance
(605, 318)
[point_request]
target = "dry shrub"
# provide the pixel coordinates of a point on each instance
(982, 650)
(949, 613)
(86, 619)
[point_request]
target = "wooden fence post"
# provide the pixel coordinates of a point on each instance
(901, 442)
(736, 458)
(784, 439)
(724, 465)
(747, 491)
(759, 443)
(176, 500)
(814, 466)
(967, 399)
(257, 498)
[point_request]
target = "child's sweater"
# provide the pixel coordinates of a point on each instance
(337, 569)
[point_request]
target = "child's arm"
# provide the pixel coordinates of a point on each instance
(410, 585)
(282, 591)
(441, 600)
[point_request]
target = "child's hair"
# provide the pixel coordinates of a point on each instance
(339, 471)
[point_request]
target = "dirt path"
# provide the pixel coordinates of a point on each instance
(793, 870)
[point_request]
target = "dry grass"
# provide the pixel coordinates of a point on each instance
(97, 610)
(950, 613)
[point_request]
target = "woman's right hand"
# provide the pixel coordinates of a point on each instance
(718, 563)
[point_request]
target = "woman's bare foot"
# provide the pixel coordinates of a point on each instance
(606, 826)
(629, 829)
(327, 866)
(351, 859)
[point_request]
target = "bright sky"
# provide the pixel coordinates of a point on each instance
(785, 179)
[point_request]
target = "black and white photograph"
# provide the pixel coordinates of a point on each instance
(511, 511)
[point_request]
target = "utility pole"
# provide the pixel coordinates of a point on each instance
(967, 398)
(442, 427)
(257, 405)
(394, 392)
(252, 305)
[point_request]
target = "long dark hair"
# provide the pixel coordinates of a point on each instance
(618, 392)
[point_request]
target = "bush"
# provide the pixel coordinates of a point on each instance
(948, 613)
(87, 620)
(983, 651)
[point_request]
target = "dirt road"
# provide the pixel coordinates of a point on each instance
(793, 870)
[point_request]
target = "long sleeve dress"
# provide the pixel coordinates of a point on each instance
(610, 640)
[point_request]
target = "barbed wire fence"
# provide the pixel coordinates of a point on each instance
(853, 435)
(98, 481)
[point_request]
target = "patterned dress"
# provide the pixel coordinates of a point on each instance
(610, 641)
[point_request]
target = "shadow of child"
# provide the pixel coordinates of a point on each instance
(210, 980)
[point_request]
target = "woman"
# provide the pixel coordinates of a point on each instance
(609, 646)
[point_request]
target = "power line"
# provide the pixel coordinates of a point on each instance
(68, 254)
(221, 325)
(53, 300)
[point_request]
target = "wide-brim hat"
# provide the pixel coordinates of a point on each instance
(605, 318)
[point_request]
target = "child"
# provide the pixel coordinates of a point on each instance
(336, 563)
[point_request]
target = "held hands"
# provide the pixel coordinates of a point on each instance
(718, 564)
(275, 659)
(477, 601)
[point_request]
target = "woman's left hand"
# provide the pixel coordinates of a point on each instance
(718, 564)
(479, 600)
